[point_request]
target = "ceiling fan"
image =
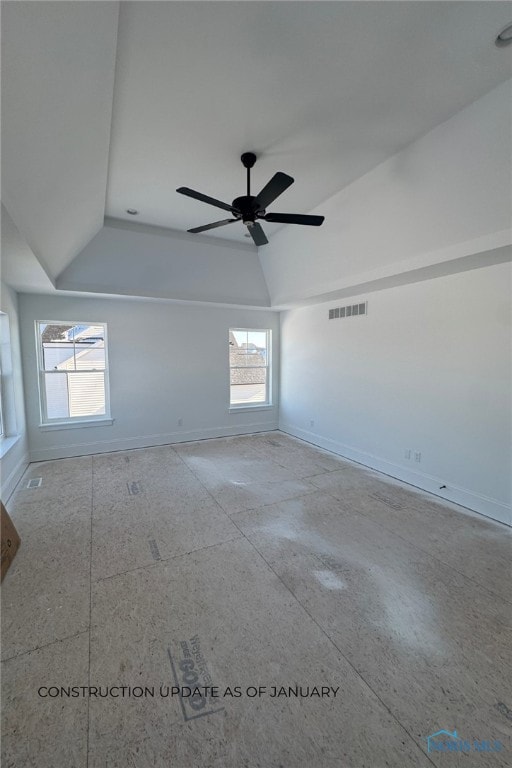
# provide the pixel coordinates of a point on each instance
(248, 208)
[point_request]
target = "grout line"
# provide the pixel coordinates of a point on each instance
(351, 510)
(376, 475)
(259, 506)
(166, 559)
(211, 495)
(372, 520)
(231, 515)
(301, 477)
(45, 645)
(90, 618)
(417, 546)
(405, 485)
(314, 620)
(331, 641)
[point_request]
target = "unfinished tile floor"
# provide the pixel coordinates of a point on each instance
(246, 563)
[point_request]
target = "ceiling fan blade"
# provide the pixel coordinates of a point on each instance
(275, 187)
(294, 218)
(212, 226)
(257, 234)
(204, 198)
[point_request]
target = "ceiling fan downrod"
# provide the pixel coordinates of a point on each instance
(248, 159)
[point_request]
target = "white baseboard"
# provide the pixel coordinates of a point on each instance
(484, 505)
(147, 441)
(10, 482)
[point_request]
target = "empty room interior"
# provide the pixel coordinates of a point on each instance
(256, 357)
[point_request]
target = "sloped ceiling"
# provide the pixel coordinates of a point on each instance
(163, 263)
(321, 90)
(57, 85)
(108, 107)
(20, 268)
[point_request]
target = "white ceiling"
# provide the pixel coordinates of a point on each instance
(323, 91)
(57, 83)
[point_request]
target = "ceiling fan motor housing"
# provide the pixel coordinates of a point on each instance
(248, 207)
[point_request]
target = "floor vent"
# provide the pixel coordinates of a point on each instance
(351, 310)
(34, 482)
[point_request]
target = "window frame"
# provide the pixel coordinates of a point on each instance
(9, 431)
(3, 433)
(70, 421)
(268, 402)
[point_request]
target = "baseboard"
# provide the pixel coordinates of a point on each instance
(476, 502)
(11, 481)
(147, 441)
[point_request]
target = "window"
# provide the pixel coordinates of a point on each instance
(249, 367)
(7, 413)
(73, 375)
(2, 431)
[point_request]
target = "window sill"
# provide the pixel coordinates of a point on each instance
(256, 407)
(77, 424)
(6, 443)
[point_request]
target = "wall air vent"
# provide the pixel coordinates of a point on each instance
(349, 311)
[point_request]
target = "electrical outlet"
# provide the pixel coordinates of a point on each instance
(180, 422)
(417, 456)
(311, 422)
(407, 453)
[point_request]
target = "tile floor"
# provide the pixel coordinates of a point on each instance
(240, 564)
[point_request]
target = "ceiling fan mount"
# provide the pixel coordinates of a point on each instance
(248, 159)
(248, 208)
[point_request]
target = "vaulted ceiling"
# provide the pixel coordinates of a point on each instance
(321, 90)
(111, 106)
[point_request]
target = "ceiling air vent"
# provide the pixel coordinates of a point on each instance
(34, 482)
(349, 311)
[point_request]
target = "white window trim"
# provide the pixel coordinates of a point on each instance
(6, 443)
(3, 433)
(71, 421)
(10, 435)
(268, 403)
(77, 422)
(255, 407)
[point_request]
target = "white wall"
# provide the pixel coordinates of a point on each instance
(429, 369)
(13, 447)
(446, 196)
(167, 361)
